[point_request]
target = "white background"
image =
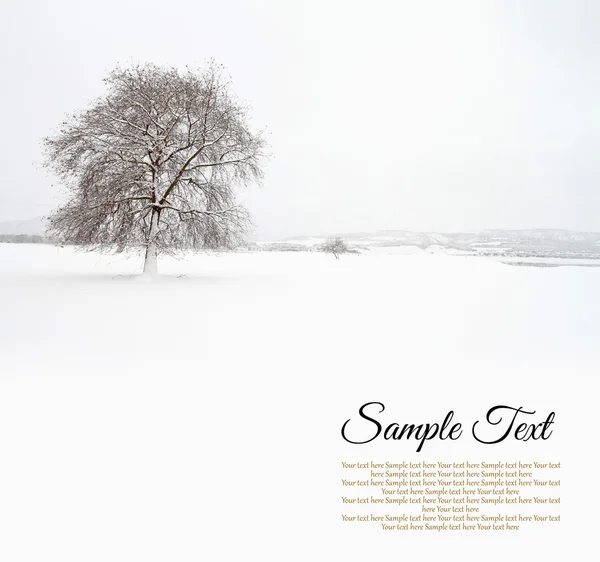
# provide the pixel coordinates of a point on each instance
(199, 417)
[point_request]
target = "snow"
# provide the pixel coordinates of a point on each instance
(197, 416)
(550, 261)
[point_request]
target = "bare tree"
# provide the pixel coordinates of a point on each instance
(155, 163)
(335, 246)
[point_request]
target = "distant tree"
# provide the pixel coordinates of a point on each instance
(155, 163)
(23, 239)
(335, 246)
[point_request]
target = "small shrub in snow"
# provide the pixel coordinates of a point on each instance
(335, 246)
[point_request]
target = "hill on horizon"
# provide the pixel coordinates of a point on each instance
(34, 226)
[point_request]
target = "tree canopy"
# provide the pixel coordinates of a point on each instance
(155, 163)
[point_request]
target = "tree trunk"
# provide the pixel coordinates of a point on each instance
(151, 259)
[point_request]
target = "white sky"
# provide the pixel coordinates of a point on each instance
(421, 115)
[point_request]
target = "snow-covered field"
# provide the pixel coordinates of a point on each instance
(197, 416)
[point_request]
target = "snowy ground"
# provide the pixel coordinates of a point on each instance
(197, 417)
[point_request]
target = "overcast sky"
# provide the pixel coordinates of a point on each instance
(421, 115)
